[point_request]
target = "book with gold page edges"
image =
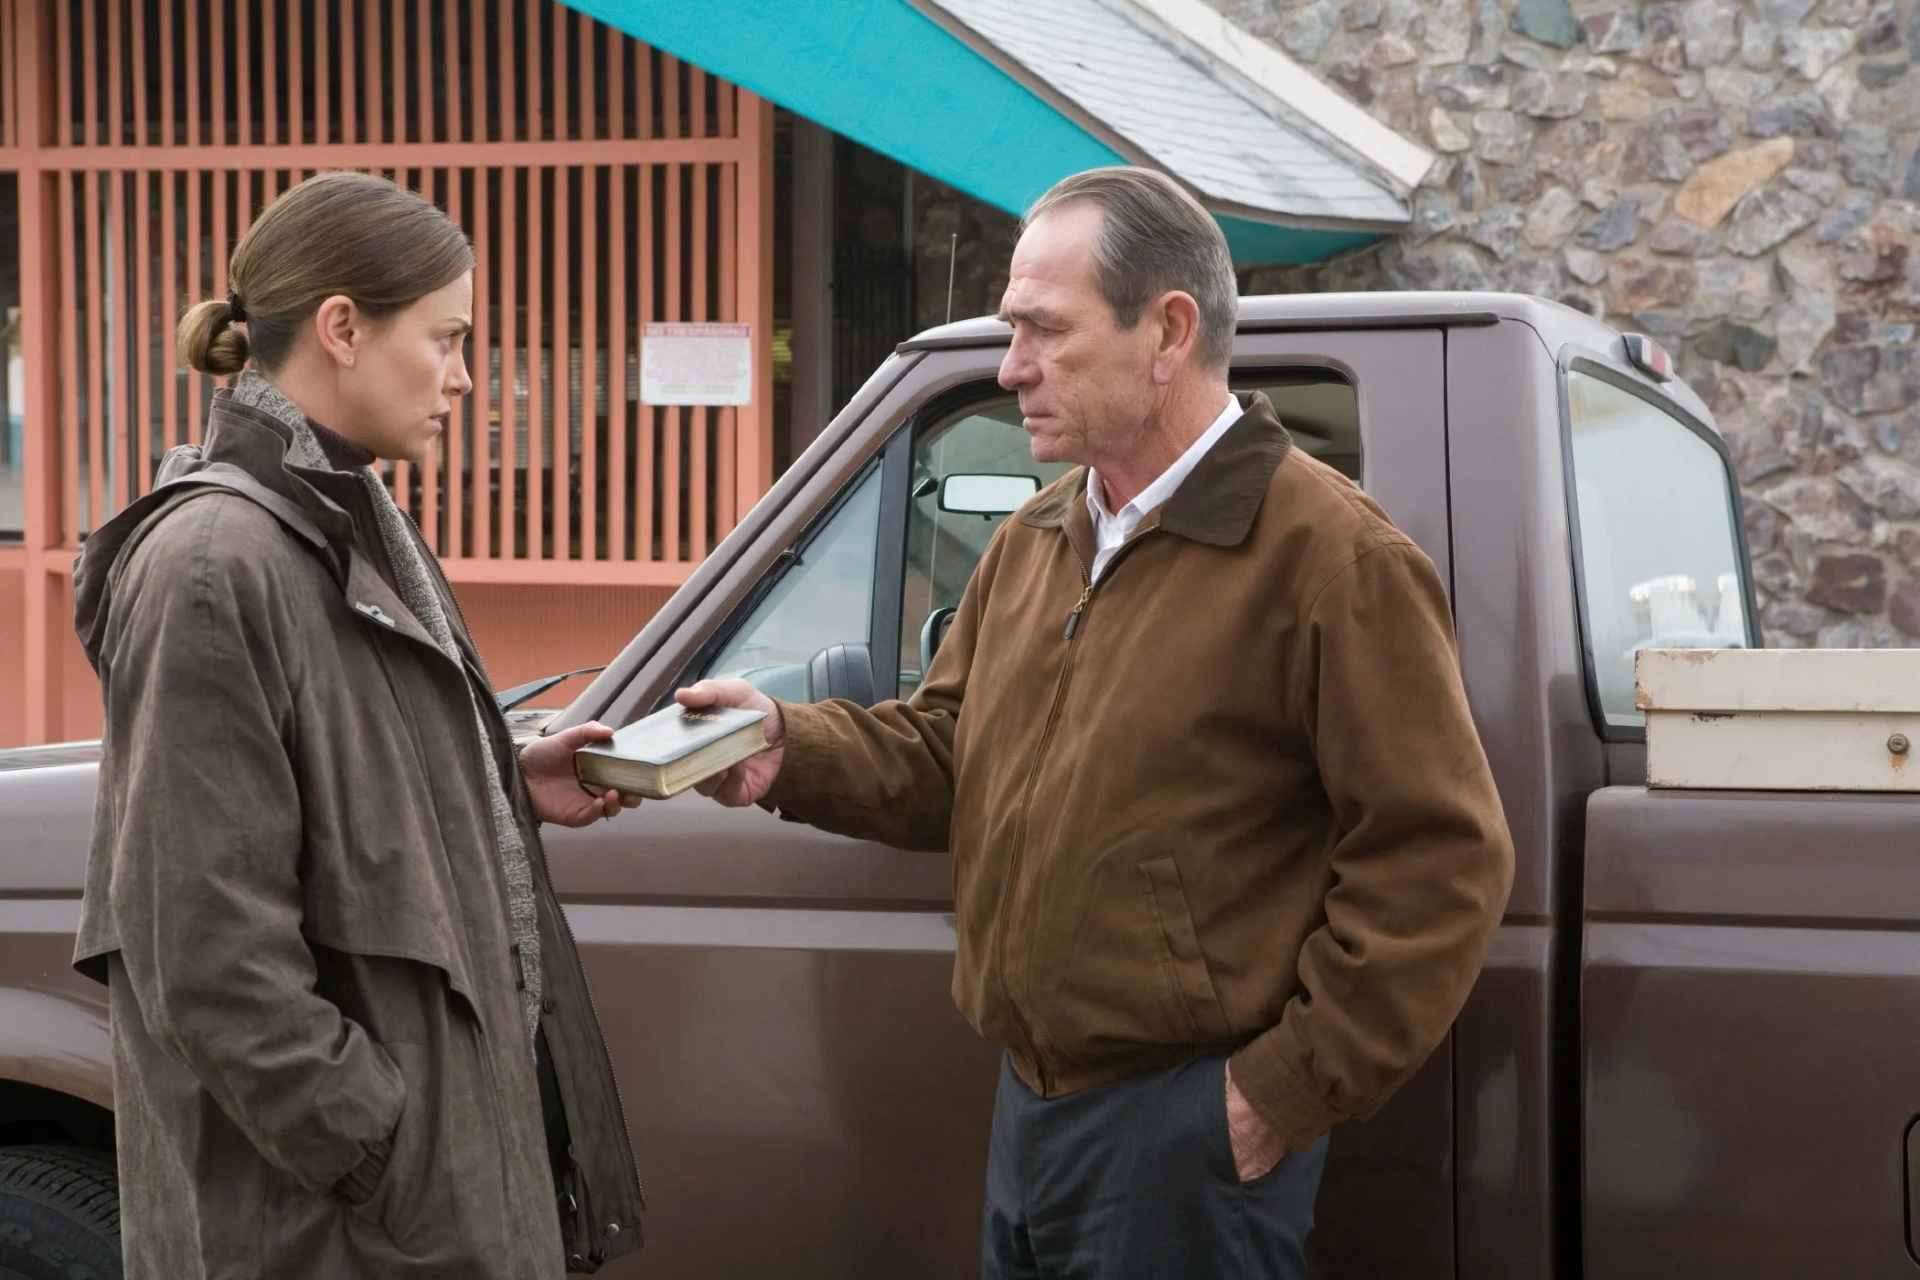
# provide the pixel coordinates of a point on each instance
(672, 749)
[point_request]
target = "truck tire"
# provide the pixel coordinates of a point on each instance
(59, 1214)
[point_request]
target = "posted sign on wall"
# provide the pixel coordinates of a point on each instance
(696, 364)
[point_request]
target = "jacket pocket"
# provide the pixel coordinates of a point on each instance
(1184, 979)
(441, 1202)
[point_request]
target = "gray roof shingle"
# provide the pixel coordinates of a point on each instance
(1105, 58)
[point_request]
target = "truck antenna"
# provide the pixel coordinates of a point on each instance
(953, 254)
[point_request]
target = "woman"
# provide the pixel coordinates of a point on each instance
(351, 1033)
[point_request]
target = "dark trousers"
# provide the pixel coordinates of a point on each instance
(1135, 1181)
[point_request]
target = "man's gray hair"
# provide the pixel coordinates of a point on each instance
(1154, 237)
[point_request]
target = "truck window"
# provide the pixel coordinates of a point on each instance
(1319, 409)
(985, 438)
(824, 598)
(1658, 551)
(1318, 406)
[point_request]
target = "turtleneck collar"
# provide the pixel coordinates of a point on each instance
(314, 446)
(342, 453)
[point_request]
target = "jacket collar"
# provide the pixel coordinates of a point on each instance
(256, 442)
(1217, 502)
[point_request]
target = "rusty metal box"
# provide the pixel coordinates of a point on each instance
(1781, 719)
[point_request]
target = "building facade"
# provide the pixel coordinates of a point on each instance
(1738, 178)
(606, 186)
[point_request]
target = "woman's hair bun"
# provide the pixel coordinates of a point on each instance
(209, 340)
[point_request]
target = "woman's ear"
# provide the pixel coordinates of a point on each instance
(340, 328)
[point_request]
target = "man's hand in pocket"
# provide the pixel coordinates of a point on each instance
(1256, 1147)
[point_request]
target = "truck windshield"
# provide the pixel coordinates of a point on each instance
(1659, 553)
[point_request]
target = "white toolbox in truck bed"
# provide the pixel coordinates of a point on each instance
(1781, 719)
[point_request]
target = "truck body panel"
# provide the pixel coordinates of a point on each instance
(1520, 660)
(1751, 1073)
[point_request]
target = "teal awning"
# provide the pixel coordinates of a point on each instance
(1008, 112)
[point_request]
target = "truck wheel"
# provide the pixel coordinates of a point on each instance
(59, 1214)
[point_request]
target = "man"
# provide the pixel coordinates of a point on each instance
(1227, 853)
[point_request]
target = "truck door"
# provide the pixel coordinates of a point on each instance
(1751, 970)
(806, 1101)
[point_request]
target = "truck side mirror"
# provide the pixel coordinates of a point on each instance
(841, 671)
(931, 634)
(986, 495)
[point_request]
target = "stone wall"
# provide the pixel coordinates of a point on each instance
(1740, 180)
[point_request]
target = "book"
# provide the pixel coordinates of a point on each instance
(672, 749)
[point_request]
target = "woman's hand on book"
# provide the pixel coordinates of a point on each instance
(748, 781)
(558, 796)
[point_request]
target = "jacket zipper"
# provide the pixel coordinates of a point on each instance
(1026, 800)
(546, 870)
(1073, 619)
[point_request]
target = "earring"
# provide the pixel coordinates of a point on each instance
(349, 359)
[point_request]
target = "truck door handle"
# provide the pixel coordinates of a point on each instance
(1913, 1190)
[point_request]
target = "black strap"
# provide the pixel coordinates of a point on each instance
(553, 1111)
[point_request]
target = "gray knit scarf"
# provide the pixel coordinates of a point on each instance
(416, 586)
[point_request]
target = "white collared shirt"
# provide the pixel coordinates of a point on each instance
(1110, 530)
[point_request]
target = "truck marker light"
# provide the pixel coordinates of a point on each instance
(1649, 356)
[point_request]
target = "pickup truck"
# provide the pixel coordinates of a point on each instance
(1693, 1051)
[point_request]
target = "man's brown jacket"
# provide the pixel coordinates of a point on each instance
(1229, 798)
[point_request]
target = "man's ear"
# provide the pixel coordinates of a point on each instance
(1177, 318)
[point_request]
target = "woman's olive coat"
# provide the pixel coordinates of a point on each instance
(321, 1063)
